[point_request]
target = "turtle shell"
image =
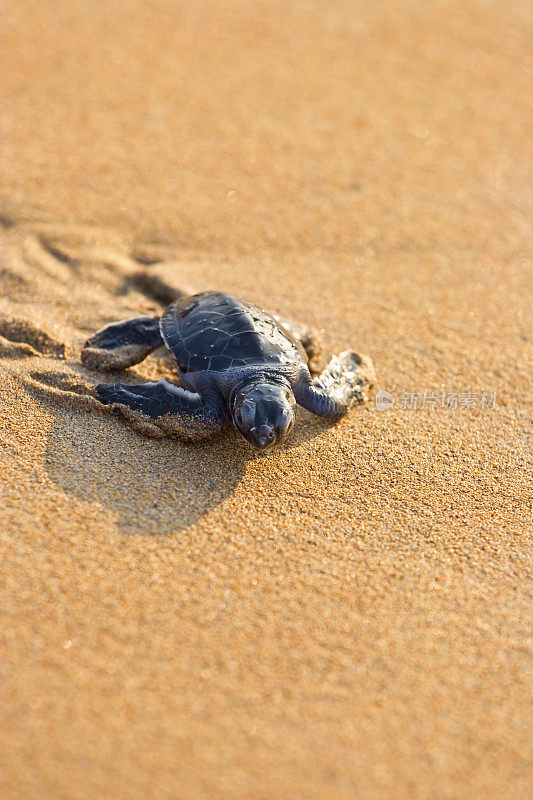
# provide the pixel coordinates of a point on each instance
(217, 332)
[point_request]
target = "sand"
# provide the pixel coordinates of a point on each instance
(345, 617)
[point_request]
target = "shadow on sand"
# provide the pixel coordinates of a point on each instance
(98, 458)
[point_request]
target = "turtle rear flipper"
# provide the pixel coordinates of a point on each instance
(122, 344)
(311, 339)
(178, 412)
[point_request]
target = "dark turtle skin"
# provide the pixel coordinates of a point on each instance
(236, 362)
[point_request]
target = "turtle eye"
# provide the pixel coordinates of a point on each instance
(244, 413)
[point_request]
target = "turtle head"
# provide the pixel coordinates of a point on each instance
(263, 412)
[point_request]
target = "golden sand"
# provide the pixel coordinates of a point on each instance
(342, 618)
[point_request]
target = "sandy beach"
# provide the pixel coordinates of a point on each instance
(345, 617)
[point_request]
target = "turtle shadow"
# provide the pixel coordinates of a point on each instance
(148, 486)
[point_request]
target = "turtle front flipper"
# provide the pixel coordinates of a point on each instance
(122, 344)
(176, 411)
(343, 383)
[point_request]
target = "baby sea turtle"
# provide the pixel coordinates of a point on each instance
(235, 361)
